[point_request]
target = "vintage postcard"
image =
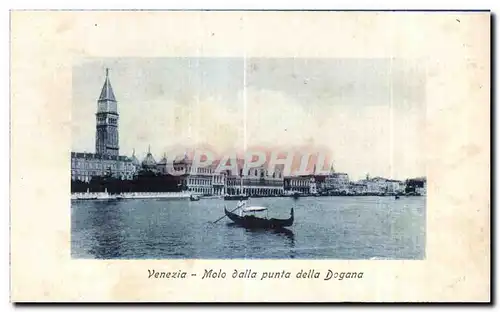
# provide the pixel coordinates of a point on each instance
(216, 156)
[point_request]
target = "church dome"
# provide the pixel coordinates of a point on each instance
(149, 161)
(134, 159)
(163, 161)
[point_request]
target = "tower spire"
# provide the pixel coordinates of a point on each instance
(107, 136)
(107, 93)
(149, 149)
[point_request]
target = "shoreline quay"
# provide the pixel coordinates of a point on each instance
(187, 195)
(136, 195)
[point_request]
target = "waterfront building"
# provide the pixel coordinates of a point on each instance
(106, 160)
(218, 182)
(298, 184)
(203, 181)
(422, 191)
(161, 166)
(416, 186)
(337, 182)
(380, 185)
(375, 185)
(313, 189)
(395, 186)
(319, 183)
(256, 181)
(357, 188)
(84, 166)
(305, 184)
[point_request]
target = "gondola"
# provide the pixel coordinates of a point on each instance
(253, 222)
(236, 197)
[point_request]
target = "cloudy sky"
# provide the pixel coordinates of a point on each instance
(369, 113)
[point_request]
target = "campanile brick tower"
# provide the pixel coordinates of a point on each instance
(107, 121)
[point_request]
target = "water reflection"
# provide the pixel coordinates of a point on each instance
(286, 233)
(283, 234)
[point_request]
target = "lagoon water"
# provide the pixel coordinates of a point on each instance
(324, 228)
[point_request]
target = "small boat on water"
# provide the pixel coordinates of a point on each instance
(194, 197)
(396, 197)
(211, 196)
(248, 219)
(236, 197)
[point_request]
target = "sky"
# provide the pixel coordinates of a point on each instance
(368, 113)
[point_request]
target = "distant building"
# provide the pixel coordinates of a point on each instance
(106, 160)
(304, 184)
(84, 166)
(204, 181)
(379, 185)
(256, 181)
(219, 183)
(161, 166)
(337, 182)
(395, 186)
(313, 188)
(298, 184)
(358, 188)
(319, 183)
(417, 186)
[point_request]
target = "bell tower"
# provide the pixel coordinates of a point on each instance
(106, 142)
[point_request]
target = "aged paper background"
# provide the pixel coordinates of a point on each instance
(456, 48)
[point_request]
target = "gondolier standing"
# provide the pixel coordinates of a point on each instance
(240, 205)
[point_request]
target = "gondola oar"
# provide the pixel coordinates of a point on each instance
(225, 215)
